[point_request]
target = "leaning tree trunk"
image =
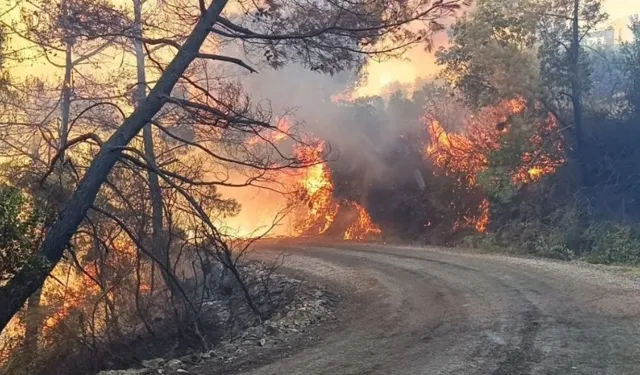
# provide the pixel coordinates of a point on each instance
(34, 321)
(15, 293)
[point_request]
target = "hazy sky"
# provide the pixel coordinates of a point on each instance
(418, 63)
(622, 8)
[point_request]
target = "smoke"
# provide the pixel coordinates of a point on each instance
(371, 120)
(376, 142)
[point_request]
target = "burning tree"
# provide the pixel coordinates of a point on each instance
(316, 192)
(501, 149)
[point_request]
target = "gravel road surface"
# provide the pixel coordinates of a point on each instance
(432, 311)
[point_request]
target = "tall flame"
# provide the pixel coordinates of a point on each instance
(318, 188)
(322, 207)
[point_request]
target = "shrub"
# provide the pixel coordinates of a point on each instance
(612, 243)
(21, 224)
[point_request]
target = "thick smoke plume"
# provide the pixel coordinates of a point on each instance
(373, 127)
(377, 144)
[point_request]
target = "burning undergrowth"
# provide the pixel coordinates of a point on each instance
(416, 171)
(326, 213)
(475, 157)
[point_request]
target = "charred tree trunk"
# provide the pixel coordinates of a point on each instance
(33, 324)
(159, 245)
(66, 103)
(15, 293)
(576, 96)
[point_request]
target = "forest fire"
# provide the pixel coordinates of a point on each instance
(481, 221)
(465, 156)
(455, 153)
(317, 192)
(322, 208)
(362, 227)
(146, 150)
(467, 153)
(64, 294)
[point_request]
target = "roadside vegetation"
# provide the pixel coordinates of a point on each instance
(580, 198)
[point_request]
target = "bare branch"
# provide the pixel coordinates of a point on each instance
(233, 60)
(82, 138)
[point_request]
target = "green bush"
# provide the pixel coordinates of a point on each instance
(553, 244)
(606, 242)
(479, 241)
(21, 227)
(612, 243)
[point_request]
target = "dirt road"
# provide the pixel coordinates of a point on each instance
(427, 311)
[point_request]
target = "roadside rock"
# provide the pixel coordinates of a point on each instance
(174, 364)
(139, 371)
(154, 364)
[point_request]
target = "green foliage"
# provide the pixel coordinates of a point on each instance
(556, 33)
(532, 238)
(630, 53)
(559, 236)
(550, 243)
(612, 242)
(552, 236)
(527, 48)
(496, 183)
(505, 162)
(518, 48)
(21, 226)
(492, 54)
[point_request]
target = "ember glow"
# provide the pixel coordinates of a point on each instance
(480, 222)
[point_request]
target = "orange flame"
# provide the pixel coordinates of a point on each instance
(481, 221)
(322, 208)
(317, 186)
(455, 153)
(466, 155)
(362, 227)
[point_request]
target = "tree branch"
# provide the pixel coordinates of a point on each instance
(232, 60)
